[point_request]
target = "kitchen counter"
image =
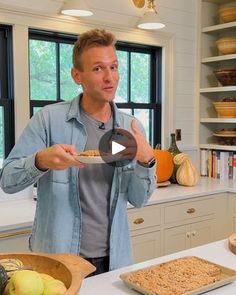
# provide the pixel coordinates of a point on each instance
(110, 283)
(206, 186)
(18, 213)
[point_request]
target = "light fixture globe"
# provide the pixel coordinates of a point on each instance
(76, 8)
(150, 21)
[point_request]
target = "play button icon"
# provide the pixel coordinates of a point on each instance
(118, 147)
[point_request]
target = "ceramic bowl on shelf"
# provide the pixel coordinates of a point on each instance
(226, 45)
(227, 12)
(226, 136)
(227, 77)
(225, 109)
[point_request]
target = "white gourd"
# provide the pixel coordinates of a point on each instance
(186, 174)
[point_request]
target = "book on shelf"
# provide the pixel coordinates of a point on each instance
(234, 166)
(218, 164)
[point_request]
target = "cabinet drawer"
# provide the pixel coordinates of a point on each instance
(144, 217)
(188, 210)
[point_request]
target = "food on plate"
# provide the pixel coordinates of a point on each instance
(175, 277)
(90, 153)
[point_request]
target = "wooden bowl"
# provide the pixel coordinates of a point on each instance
(226, 77)
(70, 269)
(225, 109)
(227, 14)
(226, 45)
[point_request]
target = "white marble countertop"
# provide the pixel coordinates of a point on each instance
(206, 186)
(110, 283)
(19, 212)
(16, 214)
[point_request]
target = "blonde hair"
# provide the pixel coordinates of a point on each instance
(90, 39)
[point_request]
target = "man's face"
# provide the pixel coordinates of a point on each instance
(99, 77)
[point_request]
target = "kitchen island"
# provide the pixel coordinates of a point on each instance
(110, 283)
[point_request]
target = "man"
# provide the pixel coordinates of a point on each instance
(81, 208)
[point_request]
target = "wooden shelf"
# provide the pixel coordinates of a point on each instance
(218, 147)
(219, 58)
(218, 120)
(218, 1)
(210, 89)
(218, 89)
(220, 27)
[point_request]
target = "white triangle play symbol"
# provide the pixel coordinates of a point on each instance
(116, 147)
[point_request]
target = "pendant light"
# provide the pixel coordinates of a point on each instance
(151, 19)
(76, 8)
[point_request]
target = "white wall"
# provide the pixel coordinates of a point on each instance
(178, 40)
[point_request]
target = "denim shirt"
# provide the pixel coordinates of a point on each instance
(57, 223)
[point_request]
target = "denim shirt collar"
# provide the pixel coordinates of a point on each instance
(74, 110)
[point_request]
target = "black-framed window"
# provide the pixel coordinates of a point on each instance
(7, 133)
(139, 91)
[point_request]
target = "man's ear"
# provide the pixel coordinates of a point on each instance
(75, 74)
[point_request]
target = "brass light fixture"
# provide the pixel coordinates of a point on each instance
(151, 19)
(76, 8)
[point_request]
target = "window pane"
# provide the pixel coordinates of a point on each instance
(122, 91)
(146, 118)
(2, 136)
(68, 87)
(127, 111)
(140, 77)
(42, 70)
(36, 109)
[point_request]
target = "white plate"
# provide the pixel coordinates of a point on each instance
(98, 159)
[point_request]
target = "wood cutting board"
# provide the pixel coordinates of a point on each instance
(232, 243)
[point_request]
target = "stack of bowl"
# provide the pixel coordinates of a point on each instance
(227, 12)
(225, 109)
(227, 77)
(226, 45)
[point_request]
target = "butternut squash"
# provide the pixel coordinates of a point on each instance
(186, 174)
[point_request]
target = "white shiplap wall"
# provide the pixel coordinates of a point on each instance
(179, 38)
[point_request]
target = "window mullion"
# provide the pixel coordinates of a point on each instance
(58, 90)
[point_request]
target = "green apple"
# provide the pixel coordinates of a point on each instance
(25, 282)
(45, 277)
(54, 287)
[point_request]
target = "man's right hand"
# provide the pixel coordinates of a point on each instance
(57, 157)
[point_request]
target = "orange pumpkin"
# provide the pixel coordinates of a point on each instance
(165, 164)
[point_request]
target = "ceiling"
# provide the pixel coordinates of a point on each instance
(112, 11)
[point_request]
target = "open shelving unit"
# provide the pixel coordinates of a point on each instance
(210, 89)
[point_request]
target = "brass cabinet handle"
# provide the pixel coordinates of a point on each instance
(194, 233)
(139, 220)
(191, 210)
(15, 233)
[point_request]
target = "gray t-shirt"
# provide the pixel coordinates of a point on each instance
(95, 182)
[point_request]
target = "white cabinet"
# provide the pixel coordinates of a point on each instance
(146, 245)
(188, 224)
(187, 236)
(15, 241)
(210, 89)
(144, 225)
(178, 225)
